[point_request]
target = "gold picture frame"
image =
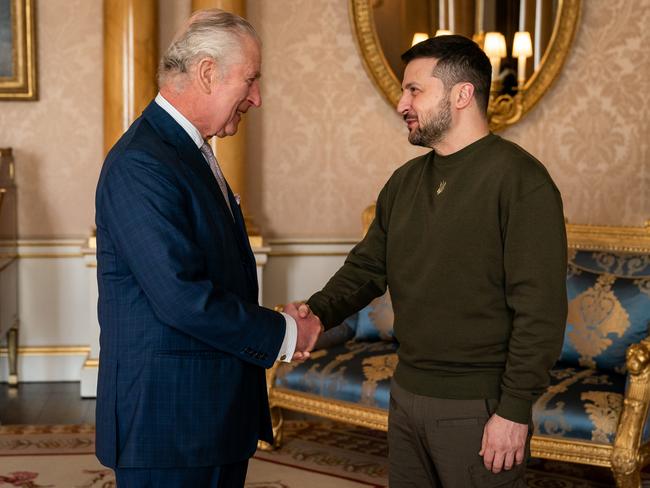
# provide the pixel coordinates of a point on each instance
(17, 50)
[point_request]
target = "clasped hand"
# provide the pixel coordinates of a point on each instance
(309, 329)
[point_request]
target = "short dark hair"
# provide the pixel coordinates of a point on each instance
(459, 59)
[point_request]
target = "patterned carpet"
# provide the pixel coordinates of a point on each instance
(317, 455)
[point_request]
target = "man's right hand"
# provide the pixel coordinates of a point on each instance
(309, 329)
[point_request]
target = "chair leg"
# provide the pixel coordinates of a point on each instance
(12, 346)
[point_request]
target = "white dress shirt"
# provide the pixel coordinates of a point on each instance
(291, 330)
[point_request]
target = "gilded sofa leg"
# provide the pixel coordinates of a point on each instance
(276, 424)
(626, 463)
(627, 480)
(12, 346)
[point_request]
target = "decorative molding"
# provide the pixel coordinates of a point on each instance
(609, 238)
(372, 418)
(571, 451)
(49, 351)
(48, 255)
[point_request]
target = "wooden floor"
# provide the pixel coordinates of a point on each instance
(45, 403)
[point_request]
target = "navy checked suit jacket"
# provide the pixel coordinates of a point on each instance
(183, 340)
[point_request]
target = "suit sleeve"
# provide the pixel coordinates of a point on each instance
(146, 215)
(361, 278)
(535, 252)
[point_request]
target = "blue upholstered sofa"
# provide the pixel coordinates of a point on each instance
(594, 411)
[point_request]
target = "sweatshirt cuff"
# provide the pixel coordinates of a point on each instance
(514, 409)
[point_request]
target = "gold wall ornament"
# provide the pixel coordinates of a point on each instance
(504, 110)
(18, 79)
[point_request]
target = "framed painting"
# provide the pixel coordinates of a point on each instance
(17, 50)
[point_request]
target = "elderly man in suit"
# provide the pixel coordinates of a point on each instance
(181, 398)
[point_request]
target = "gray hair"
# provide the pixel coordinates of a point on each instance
(210, 33)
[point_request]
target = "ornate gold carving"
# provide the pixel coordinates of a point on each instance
(572, 451)
(506, 110)
(352, 413)
(609, 238)
(637, 358)
(594, 315)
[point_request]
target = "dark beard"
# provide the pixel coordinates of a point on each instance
(432, 131)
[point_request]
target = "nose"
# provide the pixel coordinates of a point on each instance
(254, 94)
(404, 103)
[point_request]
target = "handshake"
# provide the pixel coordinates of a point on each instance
(309, 329)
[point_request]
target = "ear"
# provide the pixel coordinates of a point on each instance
(206, 74)
(464, 95)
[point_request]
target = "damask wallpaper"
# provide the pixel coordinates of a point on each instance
(57, 140)
(325, 141)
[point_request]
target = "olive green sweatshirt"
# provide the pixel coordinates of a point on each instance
(473, 248)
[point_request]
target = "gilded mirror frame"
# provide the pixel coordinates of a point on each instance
(536, 86)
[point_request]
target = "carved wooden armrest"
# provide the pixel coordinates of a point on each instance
(625, 458)
(638, 357)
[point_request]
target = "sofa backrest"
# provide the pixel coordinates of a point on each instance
(608, 289)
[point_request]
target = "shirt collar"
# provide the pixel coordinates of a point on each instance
(187, 126)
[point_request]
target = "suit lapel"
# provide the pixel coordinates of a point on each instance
(244, 243)
(170, 131)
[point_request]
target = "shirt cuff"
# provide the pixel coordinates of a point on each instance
(288, 346)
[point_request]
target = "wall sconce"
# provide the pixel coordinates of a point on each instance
(443, 32)
(495, 48)
(504, 108)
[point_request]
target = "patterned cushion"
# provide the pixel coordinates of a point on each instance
(608, 309)
(619, 264)
(356, 372)
(580, 404)
(375, 321)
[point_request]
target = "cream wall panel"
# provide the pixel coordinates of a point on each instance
(298, 268)
(45, 367)
(53, 296)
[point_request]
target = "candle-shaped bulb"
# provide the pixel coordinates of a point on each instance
(419, 37)
(495, 49)
(522, 48)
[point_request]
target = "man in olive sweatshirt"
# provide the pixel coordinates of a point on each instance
(470, 238)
